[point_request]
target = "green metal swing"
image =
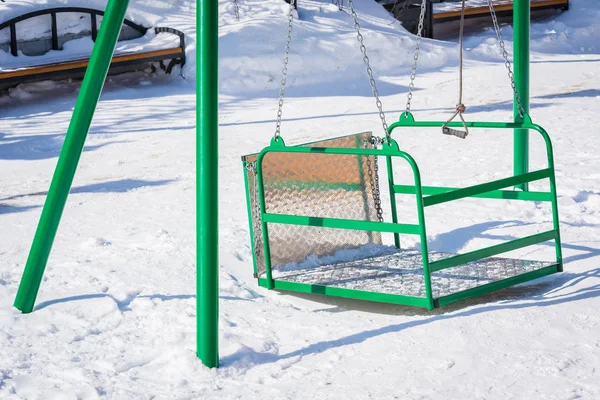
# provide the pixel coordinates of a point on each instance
(316, 217)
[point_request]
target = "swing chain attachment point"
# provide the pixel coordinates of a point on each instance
(506, 60)
(376, 141)
(284, 71)
(367, 62)
(413, 73)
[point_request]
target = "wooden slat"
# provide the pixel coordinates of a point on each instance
(76, 64)
(484, 10)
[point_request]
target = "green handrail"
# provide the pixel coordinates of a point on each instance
(338, 223)
(492, 250)
(408, 120)
(494, 194)
(483, 188)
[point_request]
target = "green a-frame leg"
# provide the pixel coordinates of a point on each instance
(70, 154)
(207, 167)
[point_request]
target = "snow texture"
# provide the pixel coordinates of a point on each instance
(115, 317)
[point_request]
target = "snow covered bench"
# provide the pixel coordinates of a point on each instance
(35, 46)
(438, 11)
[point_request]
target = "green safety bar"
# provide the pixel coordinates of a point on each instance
(494, 194)
(407, 120)
(425, 196)
(486, 187)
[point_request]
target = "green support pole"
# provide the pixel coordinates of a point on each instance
(521, 24)
(207, 220)
(70, 154)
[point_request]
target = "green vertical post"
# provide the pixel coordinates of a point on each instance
(207, 201)
(70, 154)
(521, 24)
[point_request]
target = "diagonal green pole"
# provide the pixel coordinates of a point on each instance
(207, 201)
(70, 154)
(521, 22)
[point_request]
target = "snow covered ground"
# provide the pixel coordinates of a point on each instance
(115, 317)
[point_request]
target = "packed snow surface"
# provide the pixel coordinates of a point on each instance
(115, 317)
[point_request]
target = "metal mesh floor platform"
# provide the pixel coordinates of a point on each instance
(401, 273)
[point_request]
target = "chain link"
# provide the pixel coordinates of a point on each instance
(284, 71)
(506, 60)
(373, 172)
(367, 62)
(236, 8)
(413, 73)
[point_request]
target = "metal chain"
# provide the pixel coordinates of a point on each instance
(506, 60)
(373, 172)
(256, 222)
(413, 74)
(236, 7)
(366, 60)
(284, 71)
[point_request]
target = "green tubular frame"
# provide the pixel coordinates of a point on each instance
(426, 196)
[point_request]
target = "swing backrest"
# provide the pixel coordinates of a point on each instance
(315, 185)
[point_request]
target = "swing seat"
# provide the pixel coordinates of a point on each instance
(315, 226)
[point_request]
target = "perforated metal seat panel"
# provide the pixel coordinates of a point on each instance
(316, 185)
(401, 273)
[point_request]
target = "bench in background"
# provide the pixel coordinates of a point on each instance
(407, 11)
(75, 68)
